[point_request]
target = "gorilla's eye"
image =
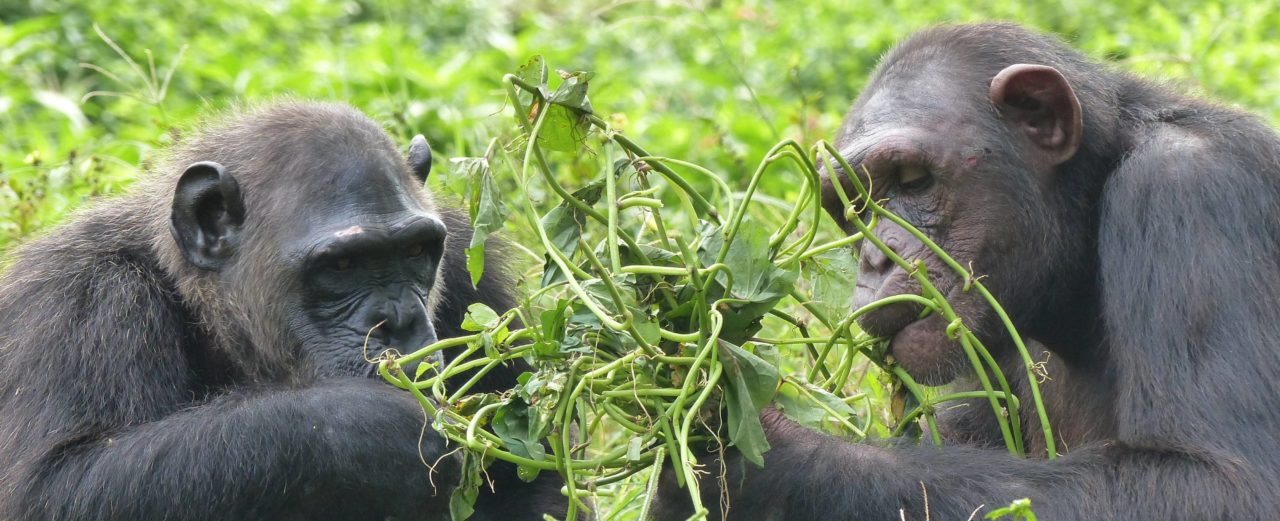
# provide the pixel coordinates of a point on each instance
(342, 264)
(914, 178)
(416, 250)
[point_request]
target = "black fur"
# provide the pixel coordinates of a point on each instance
(1147, 265)
(134, 385)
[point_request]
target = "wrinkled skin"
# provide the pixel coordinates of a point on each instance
(957, 192)
(1127, 230)
(363, 268)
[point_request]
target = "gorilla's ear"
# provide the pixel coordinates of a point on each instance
(207, 214)
(420, 157)
(1038, 101)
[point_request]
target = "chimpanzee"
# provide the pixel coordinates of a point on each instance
(1131, 231)
(198, 349)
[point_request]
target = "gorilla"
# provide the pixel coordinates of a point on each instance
(198, 349)
(1130, 230)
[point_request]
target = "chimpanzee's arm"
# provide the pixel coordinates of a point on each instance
(101, 419)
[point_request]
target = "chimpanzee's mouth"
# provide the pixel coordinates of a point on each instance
(888, 320)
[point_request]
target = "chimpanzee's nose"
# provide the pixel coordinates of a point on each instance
(404, 324)
(874, 261)
(875, 265)
(880, 277)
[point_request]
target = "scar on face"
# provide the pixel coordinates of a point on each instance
(349, 231)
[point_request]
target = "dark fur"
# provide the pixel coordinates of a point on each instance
(1148, 265)
(134, 386)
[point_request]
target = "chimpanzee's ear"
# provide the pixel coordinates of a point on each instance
(1038, 101)
(207, 215)
(420, 157)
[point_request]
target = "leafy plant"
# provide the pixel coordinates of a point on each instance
(645, 325)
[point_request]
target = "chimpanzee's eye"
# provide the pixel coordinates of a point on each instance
(342, 264)
(914, 178)
(416, 250)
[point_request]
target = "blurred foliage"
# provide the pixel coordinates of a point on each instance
(716, 82)
(90, 90)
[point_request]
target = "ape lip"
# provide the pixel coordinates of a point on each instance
(894, 332)
(877, 324)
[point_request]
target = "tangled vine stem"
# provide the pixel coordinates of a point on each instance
(609, 357)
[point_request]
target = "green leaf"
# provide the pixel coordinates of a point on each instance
(479, 317)
(804, 403)
(527, 474)
(520, 428)
(462, 501)
(648, 329)
(490, 347)
(566, 125)
(572, 92)
(533, 72)
(758, 284)
(634, 445)
(471, 403)
(485, 207)
(563, 226)
(563, 130)
(1019, 509)
(833, 276)
(751, 383)
(657, 256)
(553, 323)
(423, 367)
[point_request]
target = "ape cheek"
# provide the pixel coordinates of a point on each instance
(924, 351)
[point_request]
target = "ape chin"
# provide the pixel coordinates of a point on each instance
(923, 349)
(196, 349)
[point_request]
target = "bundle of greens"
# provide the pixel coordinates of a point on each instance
(663, 321)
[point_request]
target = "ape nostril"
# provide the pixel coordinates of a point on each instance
(874, 261)
(403, 323)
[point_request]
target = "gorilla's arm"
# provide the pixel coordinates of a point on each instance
(102, 419)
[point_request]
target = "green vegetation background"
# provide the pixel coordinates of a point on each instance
(91, 89)
(709, 81)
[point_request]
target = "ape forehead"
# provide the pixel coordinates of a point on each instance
(887, 117)
(351, 194)
(365, 179)
(921, 99)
